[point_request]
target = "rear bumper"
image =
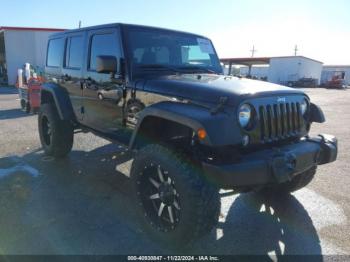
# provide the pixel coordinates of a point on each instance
(274, 165)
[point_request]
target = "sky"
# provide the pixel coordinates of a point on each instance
(320, 29)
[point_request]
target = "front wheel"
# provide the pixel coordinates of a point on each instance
(56, 135)
(176, 204)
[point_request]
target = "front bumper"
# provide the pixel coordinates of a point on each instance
(275, 165)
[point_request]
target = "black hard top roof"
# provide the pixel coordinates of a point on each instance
(118, 25)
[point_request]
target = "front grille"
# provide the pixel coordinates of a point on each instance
(279, 121)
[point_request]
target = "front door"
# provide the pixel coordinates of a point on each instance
(103, 99)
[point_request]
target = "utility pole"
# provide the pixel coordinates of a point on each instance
(79, 23)
(296, 50)
(253, 51)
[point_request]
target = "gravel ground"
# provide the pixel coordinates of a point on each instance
(82, 205)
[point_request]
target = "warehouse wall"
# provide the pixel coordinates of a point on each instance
(283, 69)
(310, 68)
(24, 47)
(258, 71)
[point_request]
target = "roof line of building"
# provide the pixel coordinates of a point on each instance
(336, 65)
(15, 28)
(251, 59)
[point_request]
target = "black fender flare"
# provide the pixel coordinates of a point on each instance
(221, 128)
(61, 99)
(316, 114)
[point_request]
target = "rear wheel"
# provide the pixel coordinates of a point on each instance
(177, 205)
(56, 135)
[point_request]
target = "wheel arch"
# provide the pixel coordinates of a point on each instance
(186, 116)
(52, 93)
(159, 129)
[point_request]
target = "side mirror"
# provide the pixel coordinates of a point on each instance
(106, 64)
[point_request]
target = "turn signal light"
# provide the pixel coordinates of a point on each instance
(202, 134)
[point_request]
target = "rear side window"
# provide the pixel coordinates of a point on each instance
(74, 55)
(55, 52)
(103, 44)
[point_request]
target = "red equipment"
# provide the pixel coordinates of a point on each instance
(337, 81)
(30, 95)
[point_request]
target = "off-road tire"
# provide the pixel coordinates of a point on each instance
(199, 201)
(58, 143)
(295, 184)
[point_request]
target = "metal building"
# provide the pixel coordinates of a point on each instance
(279, 70)
(294, 68)
(19, 45)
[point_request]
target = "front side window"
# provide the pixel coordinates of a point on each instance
(160, 49)
(103, 44)
(55, 52)
(74, 57)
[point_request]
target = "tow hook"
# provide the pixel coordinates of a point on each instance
(283, 166)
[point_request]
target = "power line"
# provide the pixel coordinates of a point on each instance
(296, 50)
(253, 51)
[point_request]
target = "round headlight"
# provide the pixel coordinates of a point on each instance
(244, 115)
(303, 107)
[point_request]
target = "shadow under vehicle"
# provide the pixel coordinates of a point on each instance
(77, 205)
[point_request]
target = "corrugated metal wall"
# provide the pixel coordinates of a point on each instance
(293, 68)
(24, 47)
(257, 71)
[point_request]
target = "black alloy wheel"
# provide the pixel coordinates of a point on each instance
(176, 204)
(159, 197)
(56, 135)
(46, 130)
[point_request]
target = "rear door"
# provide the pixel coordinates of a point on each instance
(103, 103)
(72, 70)
(54, 59)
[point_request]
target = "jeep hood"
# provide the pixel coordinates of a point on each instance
(210, 88)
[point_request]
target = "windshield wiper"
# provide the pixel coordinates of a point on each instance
(197, 69)
(179, 69)
(159, 67)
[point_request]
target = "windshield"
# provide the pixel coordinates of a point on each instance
(157, 50)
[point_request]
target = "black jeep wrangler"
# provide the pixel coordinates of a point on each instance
(191, 129)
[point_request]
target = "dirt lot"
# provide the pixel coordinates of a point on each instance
(81, 205)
